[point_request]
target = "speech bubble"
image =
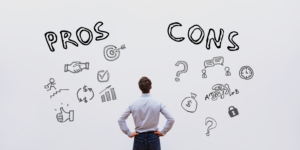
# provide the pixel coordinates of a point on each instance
(218, 60)
(209, 63)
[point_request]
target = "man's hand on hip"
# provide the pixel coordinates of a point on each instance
(134, 134)
(159, 133)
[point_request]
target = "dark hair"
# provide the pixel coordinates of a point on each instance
(145, 84)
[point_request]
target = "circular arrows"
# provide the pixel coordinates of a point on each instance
(85, 93)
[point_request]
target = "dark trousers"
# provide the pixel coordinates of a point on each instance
(146, 141)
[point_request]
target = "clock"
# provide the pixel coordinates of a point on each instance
(246, 72)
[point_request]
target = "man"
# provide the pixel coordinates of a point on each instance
(145, 112)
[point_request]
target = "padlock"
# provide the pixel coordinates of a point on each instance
(233, 111)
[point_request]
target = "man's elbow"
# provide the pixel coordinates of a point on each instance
(172, 120)
(120, 121)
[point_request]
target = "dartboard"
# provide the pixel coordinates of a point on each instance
(111, 53)
(246, 72)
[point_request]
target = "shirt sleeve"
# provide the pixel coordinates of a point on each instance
(122, 121)
(170, 119)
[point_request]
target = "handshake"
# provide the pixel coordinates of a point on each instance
(76, 67)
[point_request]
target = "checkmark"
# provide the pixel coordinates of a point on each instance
(103, 75)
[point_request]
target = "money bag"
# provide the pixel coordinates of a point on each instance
(189, 104)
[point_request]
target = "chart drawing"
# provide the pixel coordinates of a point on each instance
(108, 95)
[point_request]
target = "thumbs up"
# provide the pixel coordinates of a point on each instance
(63, 116)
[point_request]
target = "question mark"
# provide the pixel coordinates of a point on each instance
(212, 126)
(182, 71)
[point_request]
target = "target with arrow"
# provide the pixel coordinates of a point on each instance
(111, 52)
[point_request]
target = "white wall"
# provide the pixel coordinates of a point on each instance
(268, 103)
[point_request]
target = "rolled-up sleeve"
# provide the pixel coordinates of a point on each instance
(170, 119)
(122, 121)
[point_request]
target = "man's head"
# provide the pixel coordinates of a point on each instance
(145, 84)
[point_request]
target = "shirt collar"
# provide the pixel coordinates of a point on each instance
(146, 95)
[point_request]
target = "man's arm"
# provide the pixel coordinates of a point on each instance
(170, 119)
(122, 122)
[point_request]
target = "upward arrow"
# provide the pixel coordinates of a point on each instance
(105, 89)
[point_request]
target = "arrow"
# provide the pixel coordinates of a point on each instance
(105, 89)
(85, 100)
(122, 47)
(78, 96)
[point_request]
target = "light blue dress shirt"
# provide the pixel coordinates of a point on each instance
(145, 112)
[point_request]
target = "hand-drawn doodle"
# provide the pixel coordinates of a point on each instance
(50, 84)
(103, 76)
(204, 73)
(220, 91)
(215, 61)
(107, 94)
(232, 111)
(111, 52)
(230, 38)
(210, 36)
(113, 94)
(78, 34)
(65, 38)
(217, 42)
(51, 37)
(192, 30)
(85, 93)
(212, 126)
(182, 71)
(208, 63)
(189, 104)
(227, 71)
(63, 116)
(105, 89)
(58, 92)
(170, 28)
(103, 34)
(76, 66)
(246, 72)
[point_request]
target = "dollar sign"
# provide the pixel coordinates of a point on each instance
(188, 105)
(84, 89)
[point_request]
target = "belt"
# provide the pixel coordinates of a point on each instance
(146, 132)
